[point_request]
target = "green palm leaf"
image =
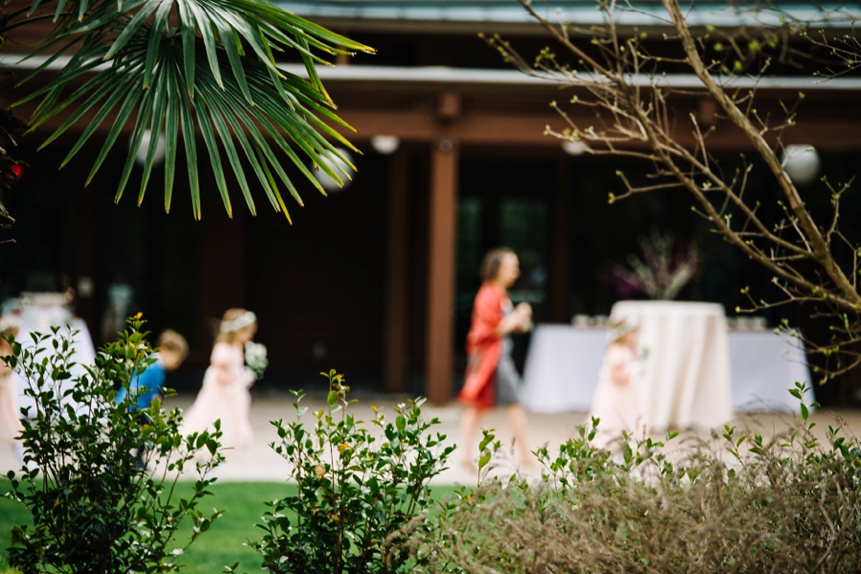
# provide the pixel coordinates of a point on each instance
(214, 76)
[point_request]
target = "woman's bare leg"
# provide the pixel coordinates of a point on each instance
(517, 423)
(468, 431)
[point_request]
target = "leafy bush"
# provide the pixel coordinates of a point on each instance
(95, 506)
(739, 504)
(356, 491)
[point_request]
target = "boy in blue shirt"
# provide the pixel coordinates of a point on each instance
(147, 385)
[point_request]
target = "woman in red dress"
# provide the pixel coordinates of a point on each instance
(491, 377)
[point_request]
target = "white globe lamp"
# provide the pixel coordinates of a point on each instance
(158, 157)
(801, 163)
(339, 166)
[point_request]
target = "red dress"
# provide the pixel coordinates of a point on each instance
(483, 346)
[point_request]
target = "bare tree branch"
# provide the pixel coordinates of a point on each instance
(622, 78)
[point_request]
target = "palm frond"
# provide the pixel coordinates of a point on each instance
(215, 77)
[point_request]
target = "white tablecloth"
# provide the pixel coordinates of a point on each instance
(561, 370)
(686, 364)
(765, 366)
(563, 362)
(85, 355)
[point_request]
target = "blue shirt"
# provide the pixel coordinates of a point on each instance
(145, 386)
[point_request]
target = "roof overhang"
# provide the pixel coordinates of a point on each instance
(508, 16)
(445, 76)
(442, 75)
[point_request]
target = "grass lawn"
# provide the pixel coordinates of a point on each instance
(242, 503)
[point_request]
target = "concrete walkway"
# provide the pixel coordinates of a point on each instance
(260, 463)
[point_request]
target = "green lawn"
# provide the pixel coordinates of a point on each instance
(223, 544)
(242, 503)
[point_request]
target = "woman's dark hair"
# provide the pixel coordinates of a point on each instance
(491, 262)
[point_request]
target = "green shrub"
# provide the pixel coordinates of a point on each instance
(737, 503)
(356, 490)
(95, 506)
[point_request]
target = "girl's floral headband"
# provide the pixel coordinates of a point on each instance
(245, 320)
(621, 329)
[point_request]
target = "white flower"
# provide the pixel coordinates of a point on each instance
(256, 358)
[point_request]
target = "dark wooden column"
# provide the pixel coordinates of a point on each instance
(558, 284)
(395, 349)
(441, 269)
(85, 256)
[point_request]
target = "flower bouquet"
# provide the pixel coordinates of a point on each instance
(256, 358)
(659, 271)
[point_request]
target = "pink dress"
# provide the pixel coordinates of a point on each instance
(224, 395)
(10, 423)
(617, 400)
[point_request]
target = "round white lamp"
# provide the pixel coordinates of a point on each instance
(574, 147)
(339, 166)
(801, 163)
(385, 144)
(140, 157)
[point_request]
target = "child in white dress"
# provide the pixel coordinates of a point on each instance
(617, 402)
(10, 422)
(225, 392)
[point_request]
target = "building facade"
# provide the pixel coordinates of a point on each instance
(376, 280)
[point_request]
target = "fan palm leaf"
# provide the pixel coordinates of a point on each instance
(189, 69)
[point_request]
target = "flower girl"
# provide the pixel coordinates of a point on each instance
(225, 392)
(10, 423)
(617, 401)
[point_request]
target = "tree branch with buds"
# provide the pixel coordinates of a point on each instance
(628, 101)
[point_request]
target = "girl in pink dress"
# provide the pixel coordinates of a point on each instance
(617, 402)
(225, 392)
(10, 423)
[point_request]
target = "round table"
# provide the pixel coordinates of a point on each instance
(686, 370)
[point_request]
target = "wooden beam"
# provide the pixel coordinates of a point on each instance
(441, 270)
(484, 125)
(408, 125)
(395, 334)
(487, 128)
(473, 128)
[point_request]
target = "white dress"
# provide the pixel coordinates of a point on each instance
(224, 395)
(617, 400)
